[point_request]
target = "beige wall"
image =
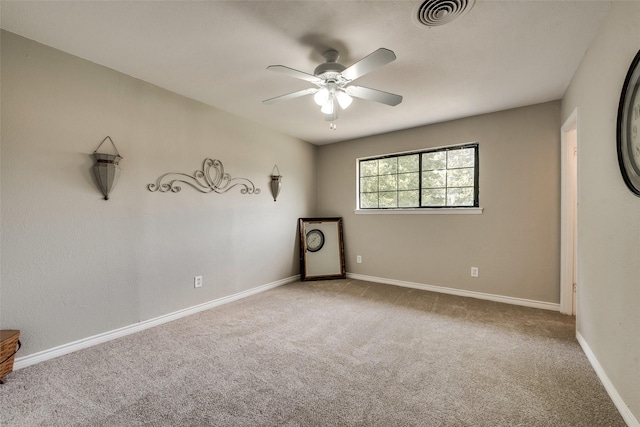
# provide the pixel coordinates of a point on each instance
(608, 213)
(74, 265)
(514, 243)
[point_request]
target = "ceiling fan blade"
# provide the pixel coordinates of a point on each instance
(294, 73)
(374, 95)
(292, 95)
(369, 63)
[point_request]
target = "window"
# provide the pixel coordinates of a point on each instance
(439, 178)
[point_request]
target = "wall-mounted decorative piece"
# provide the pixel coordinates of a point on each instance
(276, 182)
(106, 168)
(628, 134)
(321, 249)
(203, 181)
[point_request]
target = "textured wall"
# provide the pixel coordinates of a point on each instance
(608, 213)
(74, 265)
(514, 242)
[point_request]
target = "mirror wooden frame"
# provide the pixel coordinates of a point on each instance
(321, 249)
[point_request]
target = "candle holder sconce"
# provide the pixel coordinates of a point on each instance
(276, 182)
(105, 169)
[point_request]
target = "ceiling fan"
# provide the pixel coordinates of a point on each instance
(333, 89)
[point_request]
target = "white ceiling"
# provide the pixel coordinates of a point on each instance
(500, 55)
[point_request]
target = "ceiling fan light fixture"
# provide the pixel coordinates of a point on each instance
(327, 108)
(343, 99)
(321, 96)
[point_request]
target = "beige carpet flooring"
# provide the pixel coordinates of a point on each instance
(327, 353)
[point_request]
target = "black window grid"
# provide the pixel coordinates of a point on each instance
(420, 180)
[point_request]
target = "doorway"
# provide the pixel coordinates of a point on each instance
(569, 215)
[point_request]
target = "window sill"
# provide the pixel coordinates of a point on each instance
(423, 211)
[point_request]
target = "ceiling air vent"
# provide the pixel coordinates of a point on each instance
(434, 13)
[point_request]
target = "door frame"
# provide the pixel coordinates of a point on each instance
(569, 214)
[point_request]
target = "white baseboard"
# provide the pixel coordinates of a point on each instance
(32, 359)
(624, 410)
(452, 291)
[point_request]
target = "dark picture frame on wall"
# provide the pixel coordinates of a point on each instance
(628, 128)
(321, 249)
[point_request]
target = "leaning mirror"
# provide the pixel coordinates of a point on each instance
(321, 249)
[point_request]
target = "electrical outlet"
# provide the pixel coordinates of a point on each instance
(197, 282)
(359, 259)
(474, 271)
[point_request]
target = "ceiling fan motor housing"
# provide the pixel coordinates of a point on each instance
(330, 69)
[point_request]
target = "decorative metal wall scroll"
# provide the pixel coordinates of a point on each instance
(106, 168)
(203, 181)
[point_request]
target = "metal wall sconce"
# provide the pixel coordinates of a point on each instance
(276, 182)
(106, 168)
